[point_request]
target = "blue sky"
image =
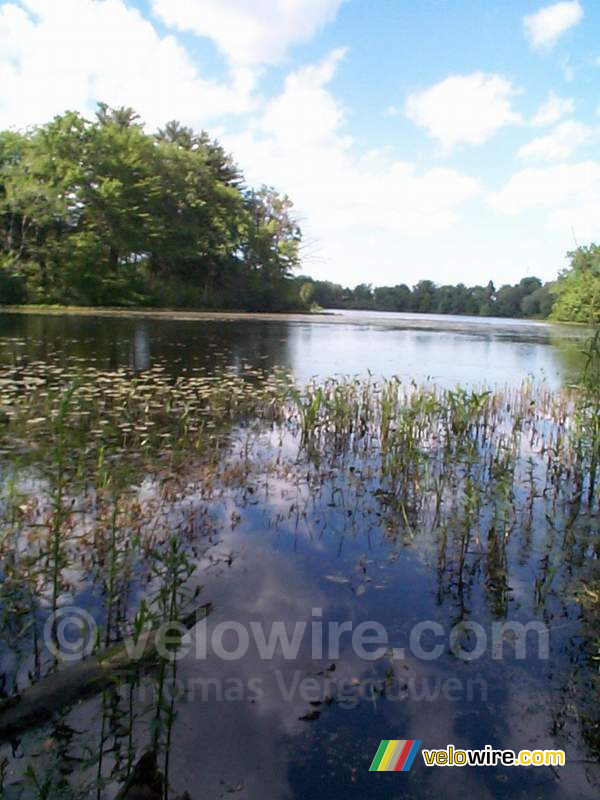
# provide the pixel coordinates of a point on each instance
(455, 140)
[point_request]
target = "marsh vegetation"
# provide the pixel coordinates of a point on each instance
(120, 491)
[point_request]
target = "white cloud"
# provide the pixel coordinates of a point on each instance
(559, 144)
(580, 221)
(249, 33)
(553, 109)
(464, 108)
(69, 54)
(348, 201)
(553, 187)
(559, 206)
(306, 114)
(544, 28)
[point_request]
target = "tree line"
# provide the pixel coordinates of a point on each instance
(528, 298)
(101, 212)
(573, 297)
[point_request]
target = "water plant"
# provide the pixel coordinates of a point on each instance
(116, 485)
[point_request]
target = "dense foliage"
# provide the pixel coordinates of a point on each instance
(528, 298)
(578, 288)
(101, 212)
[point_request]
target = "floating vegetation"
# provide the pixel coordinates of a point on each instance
(114, 488)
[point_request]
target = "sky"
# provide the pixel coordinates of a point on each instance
(453, 140)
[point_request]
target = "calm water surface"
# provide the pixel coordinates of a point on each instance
(282, 550)
(442, 349)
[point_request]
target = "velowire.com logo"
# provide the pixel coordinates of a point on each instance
(395, 755)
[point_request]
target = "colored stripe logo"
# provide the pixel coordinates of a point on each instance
(395, 755)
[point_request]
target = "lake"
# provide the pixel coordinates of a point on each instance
(447, 350)
(363, 500)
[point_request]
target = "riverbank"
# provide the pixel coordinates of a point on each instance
(158, 313)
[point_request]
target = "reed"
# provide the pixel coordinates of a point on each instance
(111, 480)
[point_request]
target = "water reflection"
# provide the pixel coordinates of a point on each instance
(279, 554)
(446, 350)
(359, 537)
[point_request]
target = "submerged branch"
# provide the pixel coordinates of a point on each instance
(37, 704)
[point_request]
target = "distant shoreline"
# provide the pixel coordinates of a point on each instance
(159, 313)
(331, 316)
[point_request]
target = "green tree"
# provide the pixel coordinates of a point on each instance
(200, 218)
(539, 303)
(392, 298)
(577, 290)
(270, 246)
(423, 297)
(362, 296)
(509, 298)
(327, 294)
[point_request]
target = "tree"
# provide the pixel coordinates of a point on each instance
(423, 297)
(176, 133)
(200, 217)
(123, 117)
(509, 299)
(40, 200)
(362, 296)
(101, 212)
(577, 290)
(392, 298)
(539, 303)
(270, 244)
(12, 284)
(482, 300)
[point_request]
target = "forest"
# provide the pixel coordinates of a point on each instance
(102, 213)
(528, 298)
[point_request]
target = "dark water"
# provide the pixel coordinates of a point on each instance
(445, 350)
(291, 549)
(325, 554)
